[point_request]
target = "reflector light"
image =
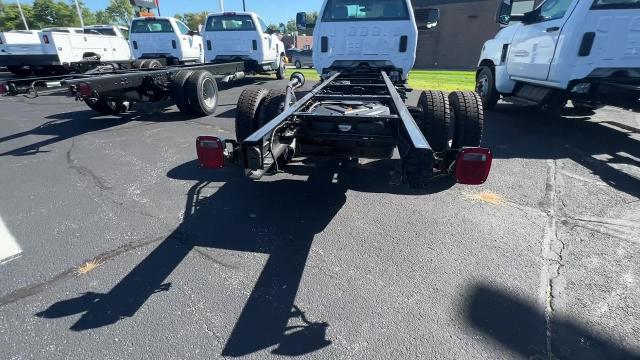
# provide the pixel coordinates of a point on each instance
(45, 38)
(473, 165)
(84, 89)
(210, 150)
(4, 88)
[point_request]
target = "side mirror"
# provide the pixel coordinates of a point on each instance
(427, 19)
(301, 21)
(510, 11)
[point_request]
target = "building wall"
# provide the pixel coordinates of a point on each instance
(304, 42)
(457, 41)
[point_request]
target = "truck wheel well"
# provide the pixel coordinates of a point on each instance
(485, 63)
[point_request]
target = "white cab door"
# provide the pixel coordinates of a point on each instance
(269, 42)
(534, 44)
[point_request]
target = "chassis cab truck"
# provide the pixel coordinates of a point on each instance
(164, 41)
(244, 36)
(586, 51)
(364, 51)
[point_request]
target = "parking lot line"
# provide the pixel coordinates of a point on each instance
(9, 248)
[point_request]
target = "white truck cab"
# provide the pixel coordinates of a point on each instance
(243, 36)
(380, 33)
(165, 39)
(586, 51)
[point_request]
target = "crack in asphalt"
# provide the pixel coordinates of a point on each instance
(99, 182)
(38, 288)
(552, 250)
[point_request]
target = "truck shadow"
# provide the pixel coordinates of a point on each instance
(520, 326)
(76, 123)
(514, 132)
(279, 218)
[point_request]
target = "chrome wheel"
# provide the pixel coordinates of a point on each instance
(209, 93)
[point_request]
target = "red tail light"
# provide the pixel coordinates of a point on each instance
(473, 166)
(45, 38)
(4, 88)
(210, 151)
(85, 90)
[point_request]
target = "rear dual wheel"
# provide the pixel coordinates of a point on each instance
(450, 121)
(195, 92)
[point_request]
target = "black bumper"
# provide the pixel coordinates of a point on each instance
(29, 60)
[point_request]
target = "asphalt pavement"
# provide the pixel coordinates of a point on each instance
(115, 245)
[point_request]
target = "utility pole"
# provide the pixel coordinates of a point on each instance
(24, 20)
(79, 14)
(244, 6)
(221, 5)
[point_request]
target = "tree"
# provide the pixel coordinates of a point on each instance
(10, 18)
(193, 20)
(120, 12)
(102, 17)
(291, 27)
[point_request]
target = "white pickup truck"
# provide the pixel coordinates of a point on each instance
(586, 51)
(61, 50)
(158, 41)
(244, 36)
(18, 42)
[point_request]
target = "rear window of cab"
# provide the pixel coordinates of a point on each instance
(365, 10)
(148, 26)
(230, 23)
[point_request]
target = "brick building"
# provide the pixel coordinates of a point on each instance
(457, 41)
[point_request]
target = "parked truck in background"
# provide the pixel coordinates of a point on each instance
(18, 42)
(65, 50)
(165, 41)
(583, 51)
(244, 36)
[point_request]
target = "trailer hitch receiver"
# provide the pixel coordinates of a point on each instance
(472, 165)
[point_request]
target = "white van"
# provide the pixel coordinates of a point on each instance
(586, 51)
(244, 36)
(165, 39)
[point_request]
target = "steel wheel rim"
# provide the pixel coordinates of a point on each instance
(483, 86)
(209, 93)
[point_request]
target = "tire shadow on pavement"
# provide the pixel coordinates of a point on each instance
(279, 218)
(514, 132)
(520, 326)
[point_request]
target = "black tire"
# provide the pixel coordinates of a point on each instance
(177, 91)
(202, 91)
(150, 64)
(282, 69)
(486, 87)
(138, 63)
(298, 65)
(274, 105)
(108, 107)
(468, 115)
(435, 122)
(20, 71)
(248, 111)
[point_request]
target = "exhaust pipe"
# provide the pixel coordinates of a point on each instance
(237, 76)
